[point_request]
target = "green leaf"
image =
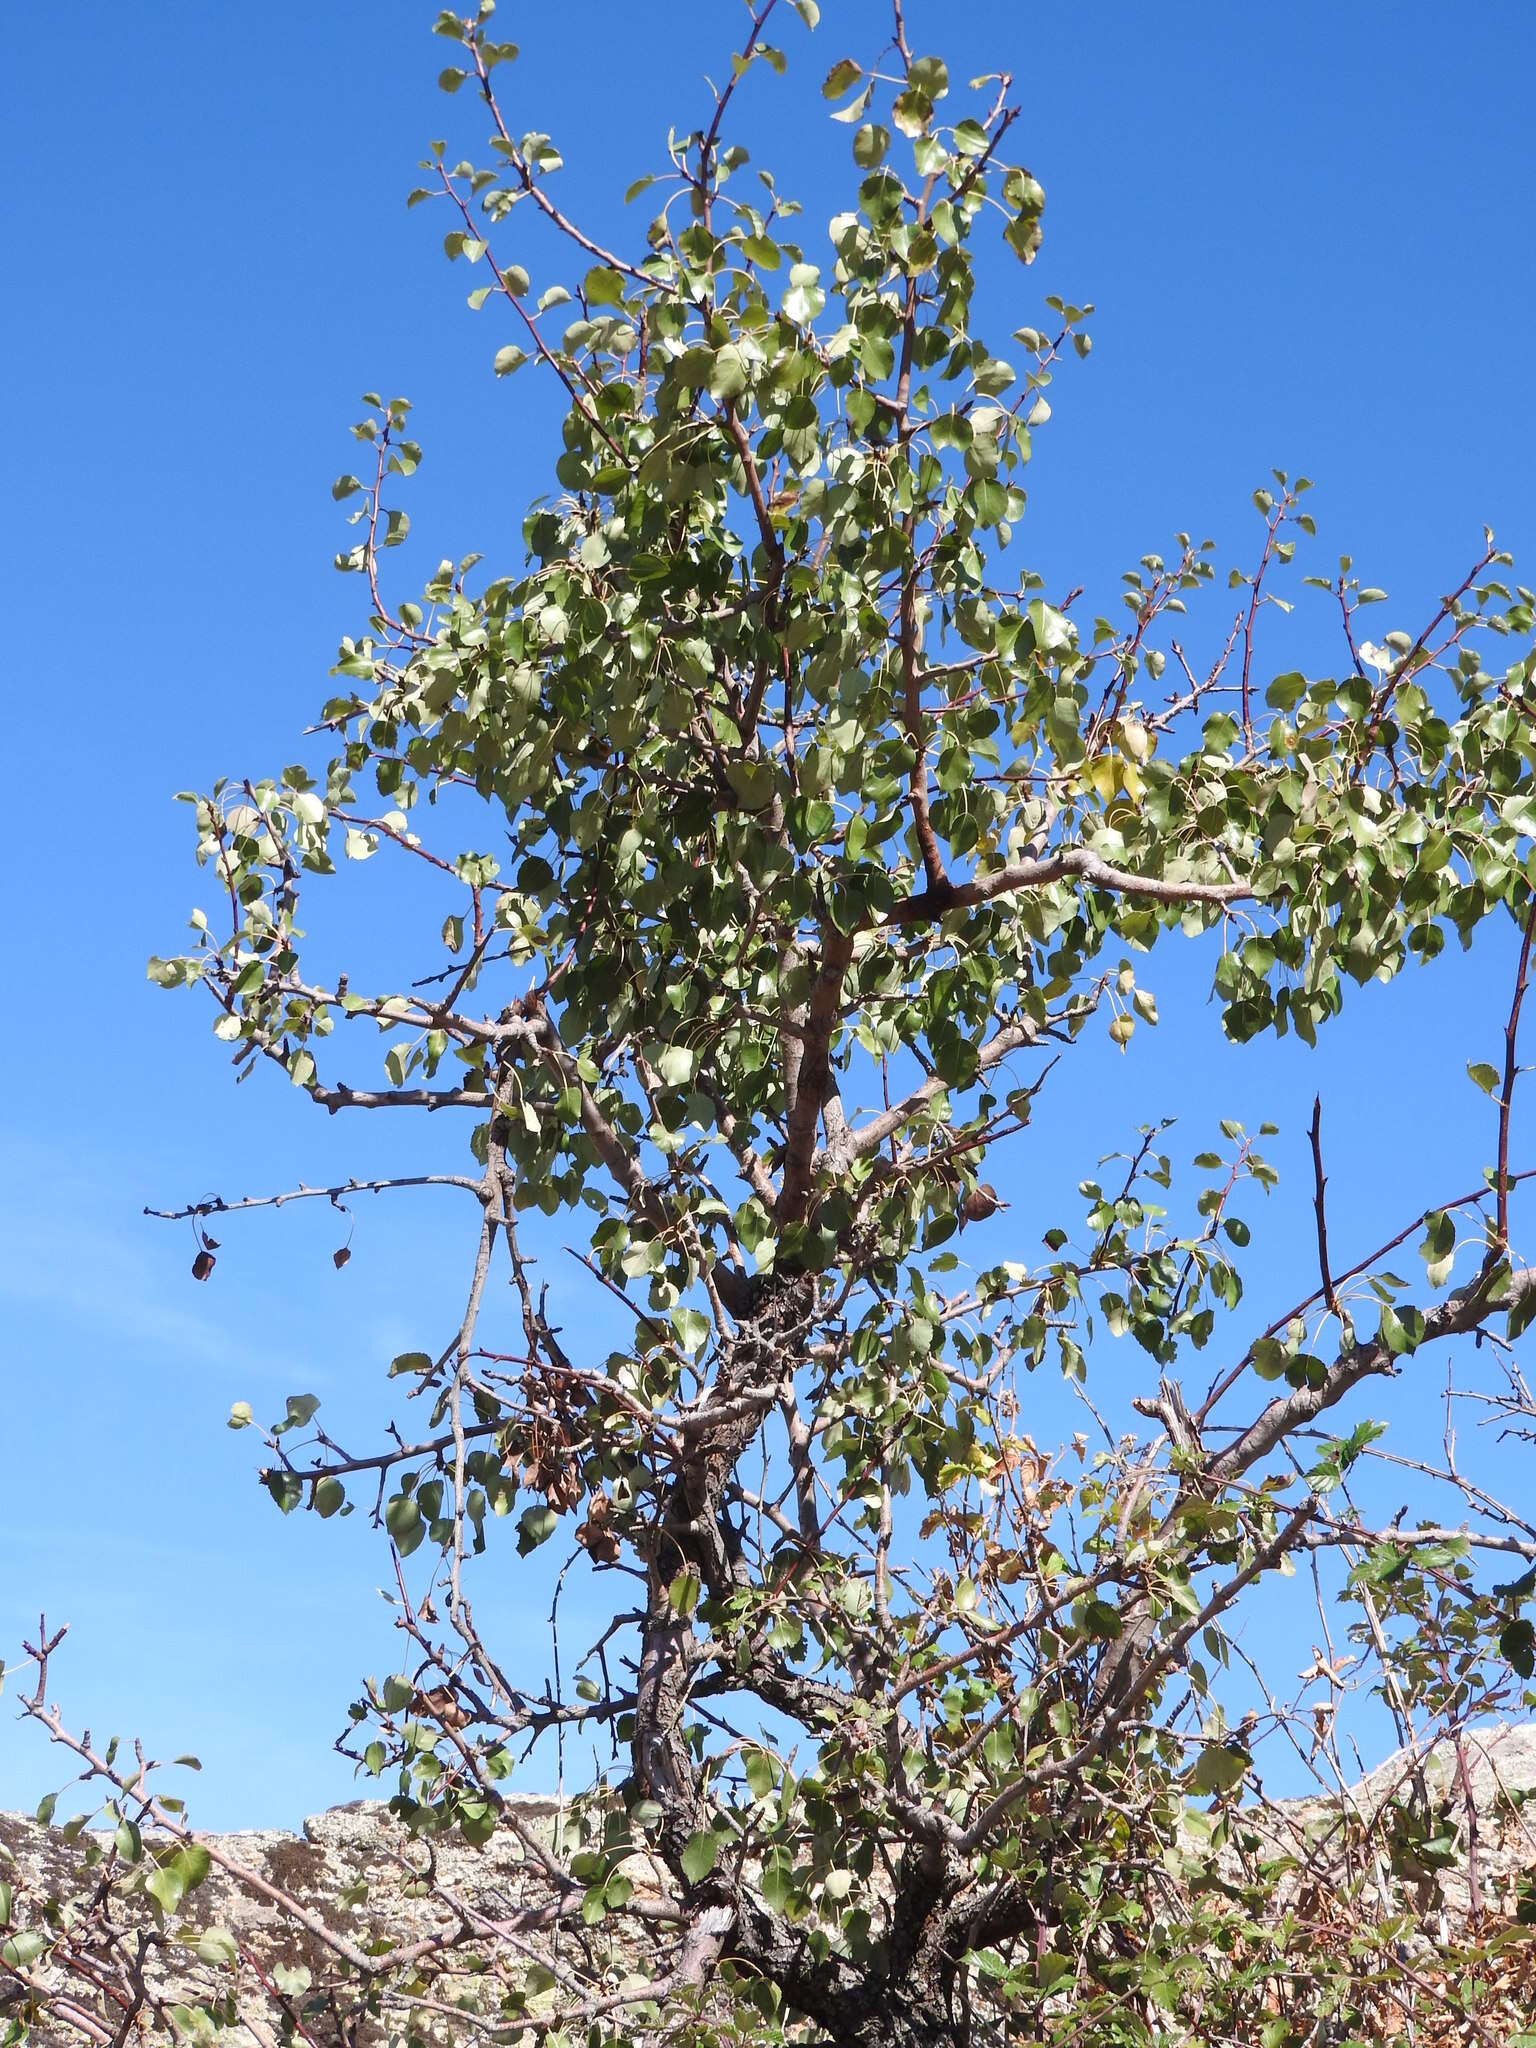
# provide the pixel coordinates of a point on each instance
(1221, 1767)
(730, 376)
(929, 75)
(844, 73)
(1517, 1643)
(912, 111)
(1053, 632)
(402, 1518)
(535, 1526)
(604, 287)
(286, 1488)
(693, 1329)
(1100, 1620)
(683, 1593)
(760, 1772)
(1438, 1247)
(180, 1872)
(854, 111)
(805, 298)
(216, 1945)
(300, 1412)
(329, 1496)
(22, 1950)
(674, 1063)
(699, 1853)
(1401, 1329)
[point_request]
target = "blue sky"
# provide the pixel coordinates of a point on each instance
(1306, 233)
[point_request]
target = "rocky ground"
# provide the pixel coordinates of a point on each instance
(1490, 1841)
(355, 1871)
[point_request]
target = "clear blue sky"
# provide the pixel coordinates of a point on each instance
(1307, 234)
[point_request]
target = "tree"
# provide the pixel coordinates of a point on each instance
(790, 839)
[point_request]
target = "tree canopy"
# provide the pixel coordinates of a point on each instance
(791, 835)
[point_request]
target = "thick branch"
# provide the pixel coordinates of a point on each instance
(869, 1137)
(1073, 863)
(1461, 1312)
(804, 1111)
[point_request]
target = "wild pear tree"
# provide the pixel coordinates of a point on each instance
(791, 837)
